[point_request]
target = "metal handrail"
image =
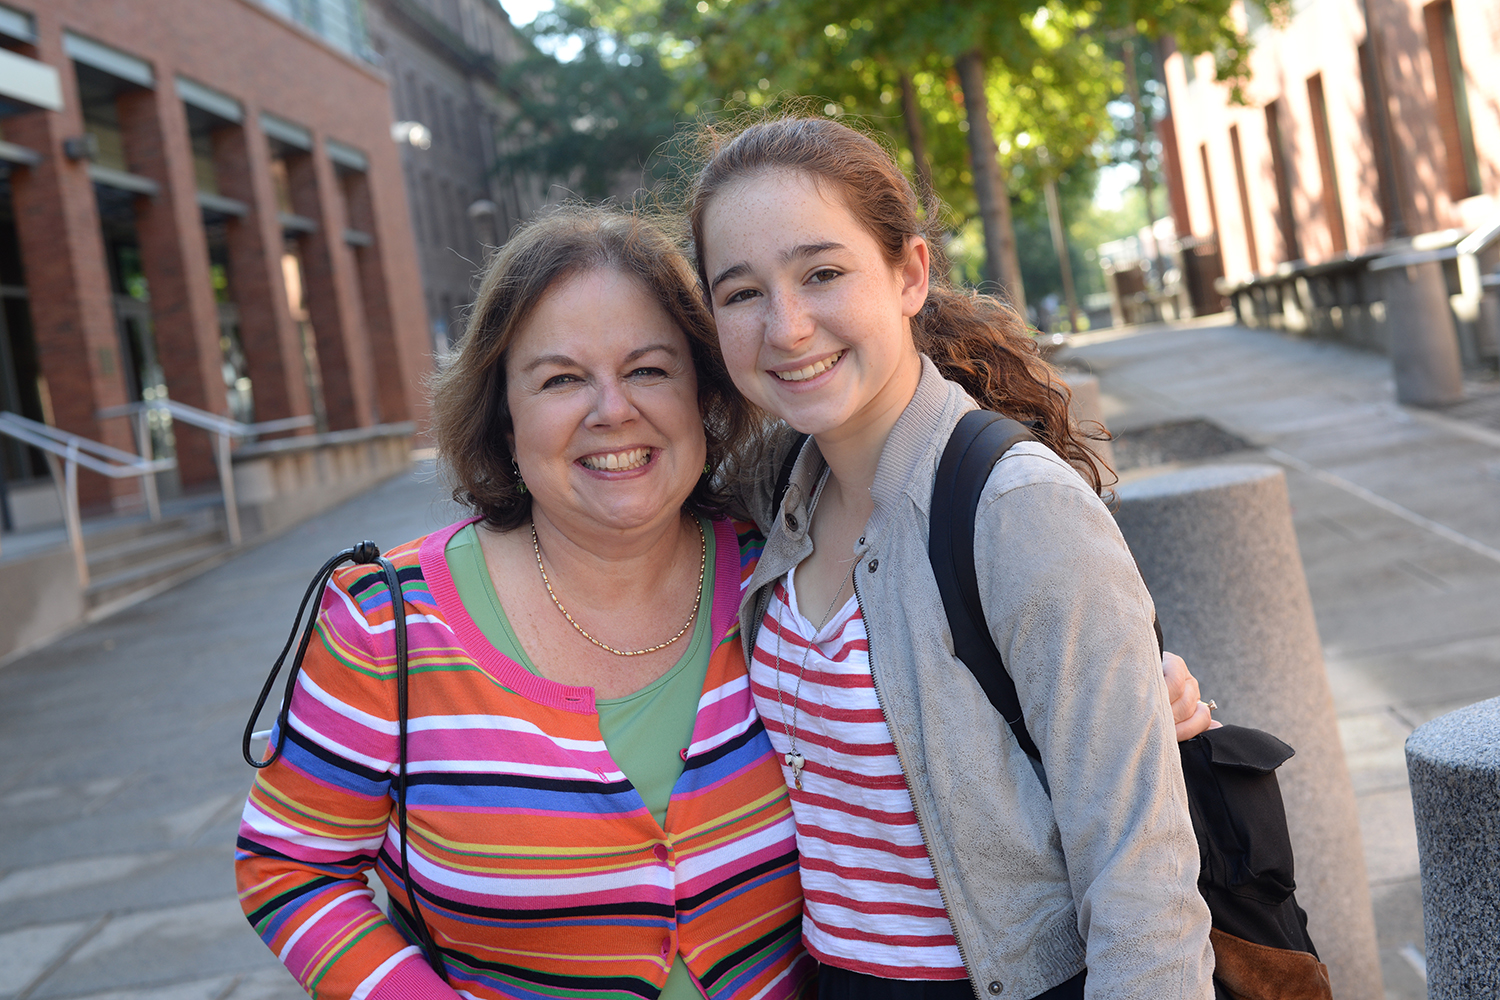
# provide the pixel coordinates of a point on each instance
(1463, 252)
(223, 428)
(75, 450)
(1470, 281)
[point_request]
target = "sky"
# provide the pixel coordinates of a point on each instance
(525, 11)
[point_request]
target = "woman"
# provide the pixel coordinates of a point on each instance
(932, 856)
(594, 808)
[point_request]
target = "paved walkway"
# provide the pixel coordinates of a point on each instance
(121, 780)
(121, 783)
(1397, 515)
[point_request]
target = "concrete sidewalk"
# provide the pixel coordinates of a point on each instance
(122, 783)
(1397, 514)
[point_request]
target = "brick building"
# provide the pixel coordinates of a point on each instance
(208, 205)
(444, 60)
(1368, 122)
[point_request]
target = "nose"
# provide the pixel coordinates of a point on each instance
(612, 404)
(788, 323)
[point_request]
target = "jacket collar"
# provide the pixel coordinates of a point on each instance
(909, 458)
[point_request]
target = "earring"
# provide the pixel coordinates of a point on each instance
(708, 468)
(520, 483)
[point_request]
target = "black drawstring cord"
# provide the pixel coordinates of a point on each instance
(398, 608)
(365, 552)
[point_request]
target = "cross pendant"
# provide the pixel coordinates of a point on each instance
(795, 761)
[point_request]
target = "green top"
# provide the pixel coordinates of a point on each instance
(645, 732)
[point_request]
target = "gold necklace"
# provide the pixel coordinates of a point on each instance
(702, 569)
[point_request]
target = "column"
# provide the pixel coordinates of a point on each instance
(380, 327)
(57, 222)
(174, 256)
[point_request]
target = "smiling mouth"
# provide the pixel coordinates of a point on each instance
(811, 371)
(617, 461)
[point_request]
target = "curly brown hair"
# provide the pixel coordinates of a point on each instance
(470, 419)
(978, 341)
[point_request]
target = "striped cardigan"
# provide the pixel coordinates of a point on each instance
(538, 867)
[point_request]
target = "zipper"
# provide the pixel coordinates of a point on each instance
(921, 824)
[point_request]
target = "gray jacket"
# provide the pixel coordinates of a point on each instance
(1103, 873)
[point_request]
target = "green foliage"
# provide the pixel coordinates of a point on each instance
(586, 122)
(1053, 70)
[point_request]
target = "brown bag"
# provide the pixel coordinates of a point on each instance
(1257, 972)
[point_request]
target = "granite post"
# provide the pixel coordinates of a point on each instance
(1216, 547)
(1454, 765)
(1086, 408)
(1424, 343)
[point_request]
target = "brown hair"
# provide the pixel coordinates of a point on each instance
(976, 340)
(470, 418)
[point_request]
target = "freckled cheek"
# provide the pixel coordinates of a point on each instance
(741, 354)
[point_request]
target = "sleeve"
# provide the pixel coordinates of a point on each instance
(315, 820)
(1071, 617)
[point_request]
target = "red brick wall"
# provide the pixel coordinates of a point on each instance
(1324, 39)
(236, 47)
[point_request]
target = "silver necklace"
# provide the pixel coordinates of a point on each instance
(795, 760)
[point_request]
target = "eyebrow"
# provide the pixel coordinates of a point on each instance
(563, 361)
(786, 257)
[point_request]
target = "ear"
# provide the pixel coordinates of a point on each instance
(914, 276)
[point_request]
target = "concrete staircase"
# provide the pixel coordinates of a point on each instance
(129, 562)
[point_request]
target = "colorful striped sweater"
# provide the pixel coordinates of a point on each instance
(539, 870)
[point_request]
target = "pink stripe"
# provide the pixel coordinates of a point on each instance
(413, 979)
(726, 579)
(505, 670)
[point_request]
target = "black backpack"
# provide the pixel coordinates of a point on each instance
(1261, 947)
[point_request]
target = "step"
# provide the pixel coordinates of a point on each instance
(105, 533)
(144, 548)
(151, 576)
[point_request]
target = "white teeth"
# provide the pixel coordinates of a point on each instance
(617, 461)
(803, 374)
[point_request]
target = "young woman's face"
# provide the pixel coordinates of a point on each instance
(812, 318)
(603, 398)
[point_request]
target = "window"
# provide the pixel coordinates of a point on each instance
(1332, 207)
(1208, 187)
(1239, 177)
(1452, 100)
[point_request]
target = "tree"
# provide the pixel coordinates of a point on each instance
(591, 123)
(1014, 67)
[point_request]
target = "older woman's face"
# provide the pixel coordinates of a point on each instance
(603, 400)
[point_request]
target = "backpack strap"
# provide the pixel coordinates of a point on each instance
(979, 441)
(784, 477)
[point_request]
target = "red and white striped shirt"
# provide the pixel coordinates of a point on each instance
(872, 901)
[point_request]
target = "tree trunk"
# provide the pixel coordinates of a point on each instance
(1001, 265)
(1060, 244)
(916, 138)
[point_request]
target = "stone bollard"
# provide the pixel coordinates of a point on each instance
(1424, 344)
(1087, 407)
(1216, 547)
(1454, 765)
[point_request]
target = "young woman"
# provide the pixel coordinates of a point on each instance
(934, 862)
